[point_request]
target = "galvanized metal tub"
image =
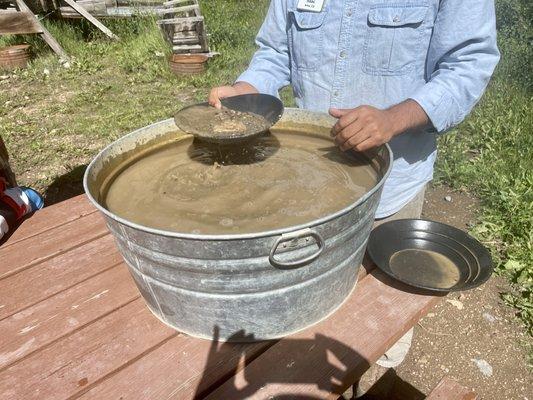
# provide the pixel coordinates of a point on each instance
(246, 287)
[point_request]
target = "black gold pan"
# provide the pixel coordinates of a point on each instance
(429, 255)
(269, 107)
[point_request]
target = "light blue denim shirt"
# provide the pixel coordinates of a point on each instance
(380, 53)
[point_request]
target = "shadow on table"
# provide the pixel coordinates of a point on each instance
(334, 368)
(65, 186)
(344, 365)
(330, 355)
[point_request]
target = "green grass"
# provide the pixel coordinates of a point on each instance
(491, 155)
(56, 121)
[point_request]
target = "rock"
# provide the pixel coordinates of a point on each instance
(4, 77)
(484, 366)
(448, 198)
(489, 317)
(456, 303)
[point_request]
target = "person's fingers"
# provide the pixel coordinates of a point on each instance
(347, 133)
(219, 93)
(337, 113)
(366, 145)
(214, 99)
(355, 140)
(344, 121)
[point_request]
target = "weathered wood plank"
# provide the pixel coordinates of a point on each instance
(47, 321)
(47, 37)
(16, 23)
(185, 35)
(202, 36)
(182, 368)
(94, 8)
(120, 3)
(83, 12)
(56, 275)
(176, 2)
(72, 365)
(178, 10)
(323, 361)
(448, 389)
(187, 48)
(125, 12)
(51, 217)
(26, 253)
(189, 41)
(180, 20)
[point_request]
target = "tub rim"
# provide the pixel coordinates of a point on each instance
(238, 236)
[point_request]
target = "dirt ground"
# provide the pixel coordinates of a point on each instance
(471, 336)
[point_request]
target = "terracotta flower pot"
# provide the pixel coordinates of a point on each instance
(13, 57)
(187, 64)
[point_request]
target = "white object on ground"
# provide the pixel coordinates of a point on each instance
(484, 367)
(489, 317)
(397, 353)
(456, 303)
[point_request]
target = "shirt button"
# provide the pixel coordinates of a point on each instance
(342, 54)
(396, 19)
(349, 13)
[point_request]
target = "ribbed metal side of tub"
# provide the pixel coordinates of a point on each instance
(244, 286)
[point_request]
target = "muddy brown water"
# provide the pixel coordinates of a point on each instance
(205, 120)
(280, 180)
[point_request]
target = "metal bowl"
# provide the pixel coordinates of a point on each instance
(429, 255)
(269, 107)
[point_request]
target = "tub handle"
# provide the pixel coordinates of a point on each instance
(304, 233)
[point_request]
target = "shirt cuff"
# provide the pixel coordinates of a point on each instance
(439, 105)
(262, 81)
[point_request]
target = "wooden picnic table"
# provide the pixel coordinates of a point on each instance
(73, 325)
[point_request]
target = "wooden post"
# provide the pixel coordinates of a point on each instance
(84, 13)
(17, 23)
(48, 38)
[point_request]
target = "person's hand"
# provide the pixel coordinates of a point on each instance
(362, 128)
(222, 92)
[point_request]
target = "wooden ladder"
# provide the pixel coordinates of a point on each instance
(18, 19)
(183, 26)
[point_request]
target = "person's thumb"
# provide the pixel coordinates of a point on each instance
(337, 113)
(214, 97)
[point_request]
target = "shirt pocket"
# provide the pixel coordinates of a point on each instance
(306, 38)
(393, 38)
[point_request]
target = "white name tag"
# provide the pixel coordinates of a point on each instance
(310, 5)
